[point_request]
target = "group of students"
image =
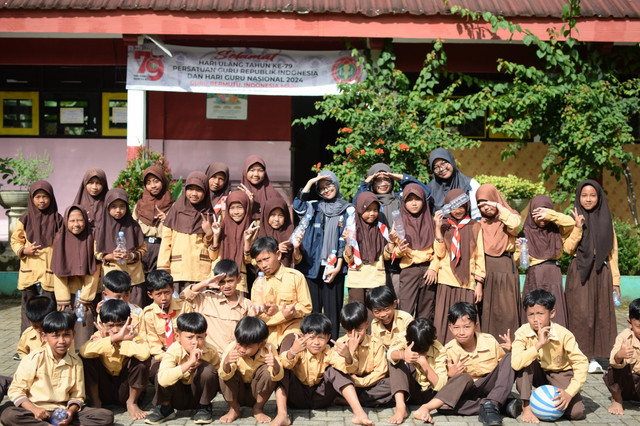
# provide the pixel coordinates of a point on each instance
(208, 246)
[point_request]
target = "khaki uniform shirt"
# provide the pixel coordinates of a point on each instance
(184, 256)
(437, 360)
(33, 269)
(483, 360)
(442, 265)
(114, 355)
(411, 256)
(398, 331)
(627, 337)
(152, 325)
(309, 368)
(366, 275)
(148, 231)
(89, 286)
(30, 341)
(170, 370)
(133, 268)
(247, 366)
(370, 362)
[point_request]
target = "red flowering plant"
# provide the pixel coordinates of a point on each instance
(385, 118)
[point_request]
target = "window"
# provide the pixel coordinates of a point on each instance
(114, 114)
(19, 112)
(70, 115)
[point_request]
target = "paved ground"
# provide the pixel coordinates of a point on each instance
(594, 393)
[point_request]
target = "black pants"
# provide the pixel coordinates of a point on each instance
(328, 298)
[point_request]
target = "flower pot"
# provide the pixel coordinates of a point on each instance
(518, 204)
(14, 198)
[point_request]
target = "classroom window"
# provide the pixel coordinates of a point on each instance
(70, 115)
(19, 112)
(114, 114)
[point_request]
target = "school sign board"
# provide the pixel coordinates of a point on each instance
(241, 70)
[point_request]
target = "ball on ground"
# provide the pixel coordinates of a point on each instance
(543, 405)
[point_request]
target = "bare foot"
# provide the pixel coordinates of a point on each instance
(135, 412)
(281, 420)
(423, 414)
(528, 416)
(361, 419)
(616, 408)
(231, 415)
(260, 416)
(399, 416)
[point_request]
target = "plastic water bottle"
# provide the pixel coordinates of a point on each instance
(79, 310)
(616, 298)
(58, 415)
(459, 201)
(524, 254)
(121, 245)
(330, 266)
(299, 231)
(257, 291)
(350, 226)
(396, 219)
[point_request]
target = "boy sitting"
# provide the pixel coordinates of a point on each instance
(418, 368)
(285, 295)
(623, 375)
(249, 371)
(221, 304)
(370, 363)
(188, 376)
(547, 353)
(390, 324)
(117, 285)
(116, 360)
(309, 379)
(36, 309)
(480, 374)
(52, 378)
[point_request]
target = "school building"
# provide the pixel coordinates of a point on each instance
(64, 67)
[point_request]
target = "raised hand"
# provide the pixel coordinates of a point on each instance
(299, 344)
(233, 356)
(455, 367)
(543, 336)
(31, 249)
(506, 338)
(578, 218)
(160, 214)
(269, 359)
(410, 357)
(342, 348)
(289, 311)
(270, 309)
(103, 331)
(250, 231)
(625, 352)
(246, 190)
(207, 224)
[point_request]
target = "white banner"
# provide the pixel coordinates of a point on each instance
(251, 71)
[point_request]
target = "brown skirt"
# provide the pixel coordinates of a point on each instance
(501, 297)
(590, 310)
(446, 297)
(546, 276)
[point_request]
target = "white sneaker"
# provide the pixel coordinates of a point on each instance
(595, 367)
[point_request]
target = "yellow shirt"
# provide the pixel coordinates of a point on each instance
(170, 370)
(247, 366)
(133, 268)
(437, 360)
(442, 265)
(185, 256)
(222, 316)
(114, 355)
(152, 325)
(560, 353)
(570, 236)
(483, 360)
(369, 360)
(310, 368)
(398, 331)
(411, 256)
(366, 275)
(48, 383)
(148, 231)
(33, 269)
(285, 286)
(89, 286)
(571, 247)
(30, 341)
(627, 337)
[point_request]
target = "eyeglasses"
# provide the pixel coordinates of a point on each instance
(326, 188)
(441, 167)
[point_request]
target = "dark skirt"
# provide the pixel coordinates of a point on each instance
(501, 297)
(446, 297)
(590, 310)
(546, 276)
(150, 259)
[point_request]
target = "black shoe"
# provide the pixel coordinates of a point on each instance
(160, 414)
(203, 415)
(16, 357)
(489, 414)
(513, 407)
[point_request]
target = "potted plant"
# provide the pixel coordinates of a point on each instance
(21, 172)
(517, 191)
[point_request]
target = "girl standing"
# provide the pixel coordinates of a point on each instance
(275, 222)
(218, 175)
(255, 182)
(459, 249)
(546, 231)
(593, 274)
(151, 211)
(90, 196)
(501, 290)
(118, 219)
(322, 239)
(32, 242)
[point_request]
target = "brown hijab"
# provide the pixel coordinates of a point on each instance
(370, 240)
(468, 237)
(544, 243)
(494, 232)
(147, 207)
(94, 206)
(232, 237)
(218, 167)
(185, 217)
(108, 229)
(73, 255)
(283, 233)
(597, 232)
(41, 225)
(261, 192)
(419, 228)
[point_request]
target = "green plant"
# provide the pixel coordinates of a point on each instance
(513, 187)
(130, 178)
(22, 172)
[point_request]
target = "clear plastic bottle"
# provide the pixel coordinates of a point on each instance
(616, 298)
(350, 226)
(298, 232)
(330, 266)
(257, 291)
(524, 254)
(460, 200)
(79, 308)
(121, 245)
(58, 415)
(397, 225)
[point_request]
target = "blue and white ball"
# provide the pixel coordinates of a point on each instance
(543, 405)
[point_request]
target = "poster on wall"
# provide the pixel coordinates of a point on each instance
(221, 106)
(241, 71)
(71, 115)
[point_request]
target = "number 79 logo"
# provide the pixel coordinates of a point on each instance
(151, 64)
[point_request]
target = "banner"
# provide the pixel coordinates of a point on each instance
(251, 71)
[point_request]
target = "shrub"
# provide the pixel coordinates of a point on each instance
(513, 187)
(22, 172)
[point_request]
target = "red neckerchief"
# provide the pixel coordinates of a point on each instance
(455, 240)
(168, 327)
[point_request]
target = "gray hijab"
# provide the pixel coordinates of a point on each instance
(334, 210)
(388, 202)
(438, 186)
